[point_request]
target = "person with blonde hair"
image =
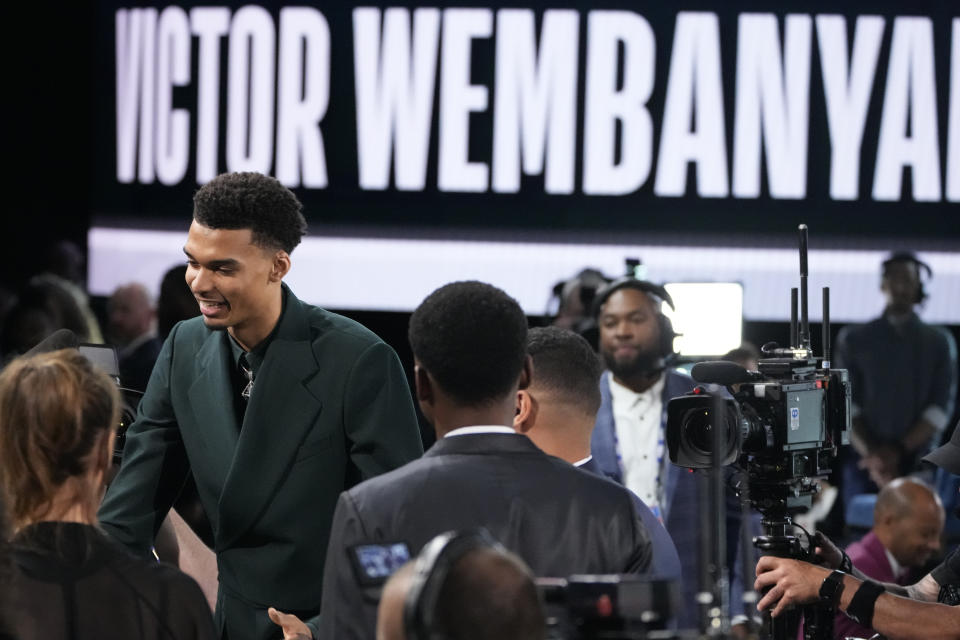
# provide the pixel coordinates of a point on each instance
(58, 417)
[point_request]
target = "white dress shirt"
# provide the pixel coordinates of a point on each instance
(637, 419)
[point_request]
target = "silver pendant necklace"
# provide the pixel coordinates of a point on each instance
(247, 390)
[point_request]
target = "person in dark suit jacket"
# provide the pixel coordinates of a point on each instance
(628, 441)
(273, 405)
(557, 413)
(469, 346)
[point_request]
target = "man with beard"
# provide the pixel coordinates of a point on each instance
(628, 442)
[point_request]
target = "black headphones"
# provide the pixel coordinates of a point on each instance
(907, 256)
(667, 334)
(432, 566)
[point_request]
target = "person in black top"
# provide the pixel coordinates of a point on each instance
(58, 417)
(928, 609)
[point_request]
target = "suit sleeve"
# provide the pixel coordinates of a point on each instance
(380, 423)
(665, 562)
(640, 557)
(154, 465)
(346, 614)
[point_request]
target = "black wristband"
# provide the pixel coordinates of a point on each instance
(860, 609)
(846, 565)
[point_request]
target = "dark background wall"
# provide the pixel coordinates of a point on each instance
(53, 150)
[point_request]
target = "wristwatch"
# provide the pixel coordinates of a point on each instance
(831, 588)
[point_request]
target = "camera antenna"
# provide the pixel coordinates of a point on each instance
(804, 337)
(794, 327)
(826, 328)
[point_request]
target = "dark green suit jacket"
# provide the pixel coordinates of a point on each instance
(330, 407)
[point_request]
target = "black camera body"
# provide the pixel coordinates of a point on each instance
(612, 607)
(783, 425)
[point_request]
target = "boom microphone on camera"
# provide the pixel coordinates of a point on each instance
(723, 373)
(59, 339)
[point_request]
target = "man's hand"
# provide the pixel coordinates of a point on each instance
(293, 627)
(825, 552)
(791, 582)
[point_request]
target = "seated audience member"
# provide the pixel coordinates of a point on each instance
(58, 417)
(907, 524)
(42, 307)
(463, 586)
(132, 317)
(925, 610)
(557, 412)
(175, 301)
(469, 342)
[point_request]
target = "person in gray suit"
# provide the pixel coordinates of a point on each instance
(469, 342)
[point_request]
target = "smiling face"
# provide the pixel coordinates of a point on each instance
(236, 282)
(915, 538)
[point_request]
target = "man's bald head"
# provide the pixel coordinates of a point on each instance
(908, 519)
(130, 312)
(488, 594)
(390, 610)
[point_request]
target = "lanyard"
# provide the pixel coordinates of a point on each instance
(661, 449)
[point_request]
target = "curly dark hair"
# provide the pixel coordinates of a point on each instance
(472, 338)
(252, 201)
(565, 364)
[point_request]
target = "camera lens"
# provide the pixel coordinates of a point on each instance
(699, 430)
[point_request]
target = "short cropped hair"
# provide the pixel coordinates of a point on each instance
(489, 594)
(472, 339)
(564, 363)
(252, 201)
(54, 408)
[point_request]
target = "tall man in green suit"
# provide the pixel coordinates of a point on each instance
(274, 405)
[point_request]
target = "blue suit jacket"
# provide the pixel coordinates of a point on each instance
(680, 498)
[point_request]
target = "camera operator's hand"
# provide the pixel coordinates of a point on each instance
(791, 582)
(825, 552)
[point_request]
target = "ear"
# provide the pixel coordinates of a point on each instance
(281, 266)
(526, 374)
(526, 412)
(423, 384)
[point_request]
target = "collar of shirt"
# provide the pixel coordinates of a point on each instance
(135, 344)
(627, 397)
(256, 355)
(464, 431)
(580, 463)
(898, 570)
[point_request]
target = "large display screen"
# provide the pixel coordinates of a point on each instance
(430, 142)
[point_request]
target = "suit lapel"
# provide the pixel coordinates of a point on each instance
(282, 409)
(602, 442)
(216, 419)
(673, 386)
